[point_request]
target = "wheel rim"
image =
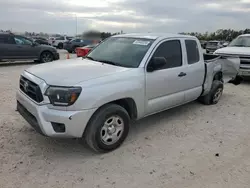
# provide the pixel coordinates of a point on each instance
(217, 95)
(112, 130)
(47, 57)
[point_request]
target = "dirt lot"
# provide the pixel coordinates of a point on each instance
(172, 149)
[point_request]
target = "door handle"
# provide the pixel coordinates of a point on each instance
(182, 74)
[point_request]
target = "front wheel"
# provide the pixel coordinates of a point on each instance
(107, 129)
(60, 45)
(214, 94)
(46, 57)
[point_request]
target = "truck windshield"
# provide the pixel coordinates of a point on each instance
(243, 41)
(121, 51)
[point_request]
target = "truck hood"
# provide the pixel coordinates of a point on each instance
(73, 71)
(234, 50)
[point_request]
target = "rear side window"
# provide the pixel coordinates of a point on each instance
(171, 50)
(193, 55)
(2, 39)
(6, 39)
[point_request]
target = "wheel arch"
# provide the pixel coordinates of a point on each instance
(127, 103)
(218, 76)
(43, 51)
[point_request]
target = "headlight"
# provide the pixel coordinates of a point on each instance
(63, 96)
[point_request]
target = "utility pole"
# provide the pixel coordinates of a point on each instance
(76, 25)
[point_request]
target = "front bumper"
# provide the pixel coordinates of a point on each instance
(244, 72)
(41, 117)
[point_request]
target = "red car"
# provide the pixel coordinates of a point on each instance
(83, 51)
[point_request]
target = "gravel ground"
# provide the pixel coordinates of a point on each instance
(190, 146)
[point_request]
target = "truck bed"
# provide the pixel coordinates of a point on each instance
(214, 64)
(210, 57)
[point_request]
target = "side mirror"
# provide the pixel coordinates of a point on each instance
(156, 63)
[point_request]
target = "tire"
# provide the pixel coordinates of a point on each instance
(74, 49)
(214, 94)
(46, 57)
(207, 51)
(100, 131)
(60, 45)
(69, 51)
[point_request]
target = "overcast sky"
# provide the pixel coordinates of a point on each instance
(59, 16)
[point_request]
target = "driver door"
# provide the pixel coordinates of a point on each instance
(164, 87)
(24, 48)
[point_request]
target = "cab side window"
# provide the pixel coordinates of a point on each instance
(171, 51)
(193, 55)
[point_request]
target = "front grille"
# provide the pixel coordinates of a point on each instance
(29, 117)
(244, 60)
(31, 89)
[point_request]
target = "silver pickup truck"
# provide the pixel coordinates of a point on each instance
(127, 77)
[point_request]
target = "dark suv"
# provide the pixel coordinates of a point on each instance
(16, 48)
(71, 46)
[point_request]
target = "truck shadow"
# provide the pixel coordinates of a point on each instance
(58, 148)
(73, 147)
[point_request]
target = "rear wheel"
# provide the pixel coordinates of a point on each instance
(74, 49)
(60, 45)
(46, 57)
(107, 129)
(214, 95)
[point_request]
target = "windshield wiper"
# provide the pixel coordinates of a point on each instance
(87, 57)
(109, 62)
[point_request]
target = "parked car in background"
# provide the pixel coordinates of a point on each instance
(239, 47)
(225, 43)
(71, 46)
(126, 77)
(51, 40)
(16, 48)
(213, 45)
(83, 51)
(203, 44)
(41, 40)
(58, 42)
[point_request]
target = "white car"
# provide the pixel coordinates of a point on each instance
(50, 40)
(239, 47)
(58, 41)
